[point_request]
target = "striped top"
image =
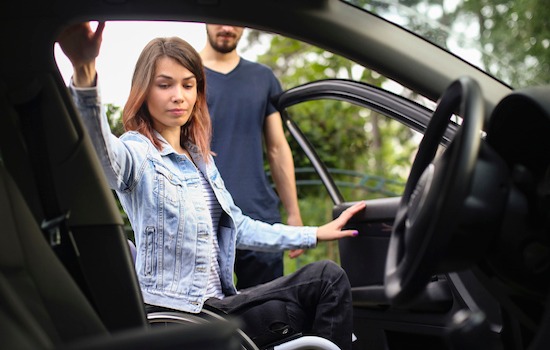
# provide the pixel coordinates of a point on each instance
(214, 286)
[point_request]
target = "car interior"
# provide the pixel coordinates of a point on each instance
(459, 260)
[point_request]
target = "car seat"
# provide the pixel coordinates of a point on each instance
(41, 307)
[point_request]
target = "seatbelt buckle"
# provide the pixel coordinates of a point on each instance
(53, 228)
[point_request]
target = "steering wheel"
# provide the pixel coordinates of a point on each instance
(434, 194)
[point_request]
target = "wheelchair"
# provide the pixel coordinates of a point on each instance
(296, 342)
(160, 317)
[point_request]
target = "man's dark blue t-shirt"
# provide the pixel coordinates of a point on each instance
(238, 103)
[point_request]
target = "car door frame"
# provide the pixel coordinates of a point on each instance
(406, 111)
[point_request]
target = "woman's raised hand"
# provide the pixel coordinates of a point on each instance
(81, 46)
(333, 230)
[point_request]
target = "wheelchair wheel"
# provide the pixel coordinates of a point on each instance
(166, 318)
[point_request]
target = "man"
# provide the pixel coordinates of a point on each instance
(238, 97)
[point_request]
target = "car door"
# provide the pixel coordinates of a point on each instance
(379, 325)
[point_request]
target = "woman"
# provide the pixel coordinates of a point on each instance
(185, 222)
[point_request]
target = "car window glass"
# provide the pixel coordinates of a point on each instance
(484, 33)
(368, 154)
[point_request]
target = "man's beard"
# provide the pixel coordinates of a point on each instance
(222, 48)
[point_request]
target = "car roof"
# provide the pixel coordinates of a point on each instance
(29, 29)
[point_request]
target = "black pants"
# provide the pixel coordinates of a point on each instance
(315, 300)
(253, 267)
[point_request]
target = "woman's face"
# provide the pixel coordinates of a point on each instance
(172, 95)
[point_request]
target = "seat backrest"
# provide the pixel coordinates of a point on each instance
(36, 292)
(41, 135)
(41, 307)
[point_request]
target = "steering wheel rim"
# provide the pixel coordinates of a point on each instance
(434, 193)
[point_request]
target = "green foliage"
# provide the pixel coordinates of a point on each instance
(114, 115)
(510, 30)
(353, 141)
(513, 35)
(345, 136)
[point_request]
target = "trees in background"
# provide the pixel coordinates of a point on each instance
(367, 143)
(507, 32)
(351, 140)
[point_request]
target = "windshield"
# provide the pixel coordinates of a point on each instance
(508, 39)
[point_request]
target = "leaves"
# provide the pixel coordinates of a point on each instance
(359, 146)
(345, 136)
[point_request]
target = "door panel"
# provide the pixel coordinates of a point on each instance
(378, 324)
(364, 257)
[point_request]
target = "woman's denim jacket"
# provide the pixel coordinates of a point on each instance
(162, 195)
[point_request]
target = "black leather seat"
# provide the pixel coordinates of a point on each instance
(41, 307)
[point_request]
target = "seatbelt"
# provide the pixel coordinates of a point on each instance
(54, 225)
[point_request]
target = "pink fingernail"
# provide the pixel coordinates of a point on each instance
(355, 233)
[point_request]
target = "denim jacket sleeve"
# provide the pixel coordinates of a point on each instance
(116, 159)
(258, 235)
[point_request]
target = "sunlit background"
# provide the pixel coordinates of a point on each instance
(122, 44)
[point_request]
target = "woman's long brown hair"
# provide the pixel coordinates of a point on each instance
(135, 115)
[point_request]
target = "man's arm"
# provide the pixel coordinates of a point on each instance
(282, 167)
(281, 164)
